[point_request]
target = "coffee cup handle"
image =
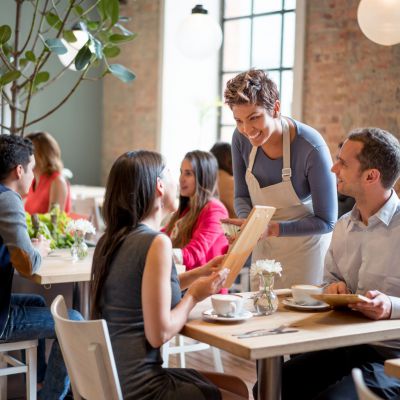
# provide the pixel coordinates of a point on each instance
(233, 308)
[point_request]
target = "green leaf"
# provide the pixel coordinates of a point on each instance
(117, 38)
(23, 62)
(122, 73)
(30, 56)
(83, 57)
(113, 11)
(98, 48)
(56, 46)
(9, 76)
(5, 33)
(41, 77)
(103, 36)
(53, 20)
(123, 29)
(111, 51)
(7, 49)
(69, 36)
(109, 9)
(93, 25)
(78, 10)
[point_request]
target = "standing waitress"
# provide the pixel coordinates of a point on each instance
(282, 163)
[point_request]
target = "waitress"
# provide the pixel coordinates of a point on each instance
(283, 163)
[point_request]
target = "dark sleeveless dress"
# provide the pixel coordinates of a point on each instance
(139, 365)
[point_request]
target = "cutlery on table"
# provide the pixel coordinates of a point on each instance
(265, 332)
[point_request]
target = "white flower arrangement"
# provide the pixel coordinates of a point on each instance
(261, 267)
(80, 226)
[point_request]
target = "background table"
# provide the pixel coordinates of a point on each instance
(58, 267)
(316, 331)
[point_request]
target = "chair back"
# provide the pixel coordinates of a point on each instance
(88, 355)
(363, 392)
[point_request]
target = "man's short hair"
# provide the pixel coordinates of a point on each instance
(14, 151)
(381, 151)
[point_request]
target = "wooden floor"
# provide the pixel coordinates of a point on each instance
(200, 360)
(203, 361)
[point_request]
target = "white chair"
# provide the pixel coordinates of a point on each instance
(363, 392)
(10, 366)
(89, 208)
(88, 355)
(181, 348)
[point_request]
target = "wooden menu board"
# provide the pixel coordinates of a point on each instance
(340, 300)
(238, 253)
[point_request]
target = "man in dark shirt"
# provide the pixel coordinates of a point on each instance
(25, 317)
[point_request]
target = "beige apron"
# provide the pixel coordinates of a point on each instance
(302, 257)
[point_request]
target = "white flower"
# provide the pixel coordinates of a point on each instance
(261, 267)
(80, 225)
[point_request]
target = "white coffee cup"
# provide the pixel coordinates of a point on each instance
(302, 294)
(227, 304)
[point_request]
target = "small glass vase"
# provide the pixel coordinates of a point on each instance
(266, 301)
(79, 250)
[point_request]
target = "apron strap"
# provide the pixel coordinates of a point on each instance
(252, 158)
(286, 171)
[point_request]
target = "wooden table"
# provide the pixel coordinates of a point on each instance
(392, 367)
(58, 267)
(316, 331)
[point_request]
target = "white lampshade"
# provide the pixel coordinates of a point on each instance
(73, 48)
(199, 35)
(379, 20)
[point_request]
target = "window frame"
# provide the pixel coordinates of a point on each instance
(298, 64)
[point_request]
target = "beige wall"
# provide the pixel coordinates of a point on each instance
(349, 81)
(130, 111)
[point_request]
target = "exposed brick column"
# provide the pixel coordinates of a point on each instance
(131, 111)
(349, 81)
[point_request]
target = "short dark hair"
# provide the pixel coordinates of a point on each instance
(223, 153)
(252, 87)
(381, 151)
(14, 151)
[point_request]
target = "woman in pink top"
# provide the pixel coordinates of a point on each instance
(195, 228)
(49, 186)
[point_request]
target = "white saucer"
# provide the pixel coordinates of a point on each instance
(210, 315)
(289, 302)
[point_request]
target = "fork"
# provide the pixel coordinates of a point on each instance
(279, 329)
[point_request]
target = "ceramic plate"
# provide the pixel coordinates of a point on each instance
(210, 315)
(289, 302)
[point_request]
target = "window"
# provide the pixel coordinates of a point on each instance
(259, 34)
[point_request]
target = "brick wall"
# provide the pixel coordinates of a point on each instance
(349, 81)
(130, 111)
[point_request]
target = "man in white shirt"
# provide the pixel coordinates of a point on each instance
(363, 258)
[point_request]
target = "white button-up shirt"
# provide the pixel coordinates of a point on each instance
(368, 257)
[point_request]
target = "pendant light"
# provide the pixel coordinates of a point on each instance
(199, 35)
(379, 20)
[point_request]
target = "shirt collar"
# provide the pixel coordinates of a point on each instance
(384, 214)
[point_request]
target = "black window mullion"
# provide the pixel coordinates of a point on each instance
(252, 15)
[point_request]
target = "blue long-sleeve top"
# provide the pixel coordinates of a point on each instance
(311, 164)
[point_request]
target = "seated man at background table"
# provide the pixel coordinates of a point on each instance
(363, 258)
(25, 317)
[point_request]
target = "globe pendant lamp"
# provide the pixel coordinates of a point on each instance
(67, 59)
(379, 20)
(199, 35)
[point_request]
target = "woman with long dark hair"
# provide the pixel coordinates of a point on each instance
(195, 228)
(135, 286)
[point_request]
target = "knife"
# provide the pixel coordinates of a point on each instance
(264, 333)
